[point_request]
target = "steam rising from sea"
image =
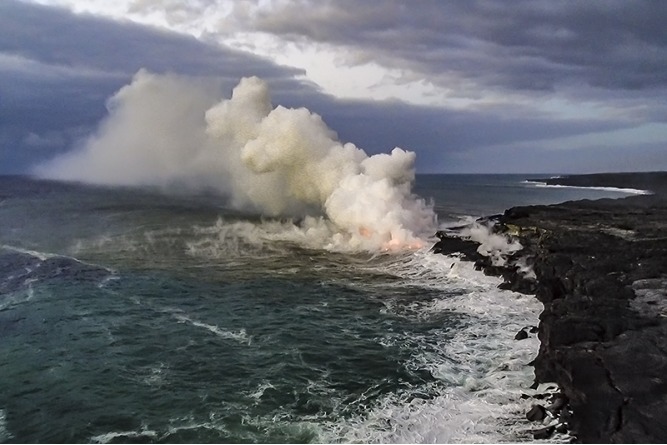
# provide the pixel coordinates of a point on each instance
(165, 130)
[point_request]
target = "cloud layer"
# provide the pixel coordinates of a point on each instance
(541, 86)
(532, 45)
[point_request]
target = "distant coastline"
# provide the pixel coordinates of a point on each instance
(610, 189)
(655, 182)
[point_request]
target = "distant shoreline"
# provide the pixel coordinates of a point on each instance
(655, 182)
(633, 191)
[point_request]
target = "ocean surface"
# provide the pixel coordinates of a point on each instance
(131, 315)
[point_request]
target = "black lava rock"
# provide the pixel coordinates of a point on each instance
(544, 433)
(603, 340)
(536, 414)
(605, 348)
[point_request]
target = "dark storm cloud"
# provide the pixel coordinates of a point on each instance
(613, 51)
(610, 53)
(525, 44)
(56, 36)
(57, 69)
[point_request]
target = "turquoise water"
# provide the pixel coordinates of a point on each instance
(129, 315)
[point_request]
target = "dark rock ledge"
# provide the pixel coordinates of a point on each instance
(601, 272)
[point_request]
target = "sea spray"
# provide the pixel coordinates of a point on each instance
(165, 130)
(496, 246)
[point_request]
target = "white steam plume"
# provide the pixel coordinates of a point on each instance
(493, 245)
(166, 130)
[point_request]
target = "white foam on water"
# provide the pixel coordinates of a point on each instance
(189, 423)
(259, 392)
(5, 435)
(424, 269)
(157, 375)
(30, 290)
(16, 299)
(163, 434)
(112, 277)
(44, 256)
(240, 335)
(113, 435)
(630, 191)
(256, 429)
(455, 417)
(481, 371)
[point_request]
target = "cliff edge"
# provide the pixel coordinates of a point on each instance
(601, 272)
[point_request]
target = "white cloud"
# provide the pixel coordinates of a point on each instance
(338, 70)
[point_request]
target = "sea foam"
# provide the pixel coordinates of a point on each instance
(480, 370)
(630, 191)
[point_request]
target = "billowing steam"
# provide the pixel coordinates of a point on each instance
(166, 130)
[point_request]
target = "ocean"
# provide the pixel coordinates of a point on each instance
(134, 315)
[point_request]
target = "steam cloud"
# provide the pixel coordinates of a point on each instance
(495, 246)
(167, 130)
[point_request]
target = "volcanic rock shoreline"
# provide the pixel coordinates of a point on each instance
(600, 269)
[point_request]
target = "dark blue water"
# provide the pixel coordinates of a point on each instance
(130, 315)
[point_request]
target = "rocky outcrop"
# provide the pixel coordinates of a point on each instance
(601, 272)
(609, 358)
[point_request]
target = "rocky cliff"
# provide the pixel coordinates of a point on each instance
(601, 271)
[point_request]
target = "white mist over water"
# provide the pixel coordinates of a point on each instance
(165, 130)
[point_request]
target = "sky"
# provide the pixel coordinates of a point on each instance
(479, 86)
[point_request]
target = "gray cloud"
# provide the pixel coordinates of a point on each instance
(57, 70)
(57, 37)
(443, 137)
(586, 159)
(530, 45)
